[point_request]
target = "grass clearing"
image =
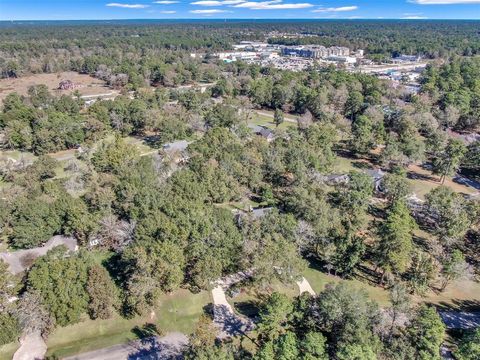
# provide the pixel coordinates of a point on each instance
(16, 155)
(318, 280)
(462, 294)
(178, 311)
(7, 351)
(267, 121)
(243, 205)
(343, 165)
(425, 182)
(85, 84)
(248, 300)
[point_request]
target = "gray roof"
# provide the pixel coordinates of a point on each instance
(176, 145)
(255, 128)
(266, 133)
(261, 212)
(262, 131)
(376, 174)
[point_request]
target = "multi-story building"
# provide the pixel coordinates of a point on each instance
(315, 51)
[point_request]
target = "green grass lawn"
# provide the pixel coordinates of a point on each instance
(423, 187)
(318, 280)
(248, 300)
(243, 205)
(343, 165)
(7, 351)
(461, 294)
(263, 120)
(178, 311)
(16, 155)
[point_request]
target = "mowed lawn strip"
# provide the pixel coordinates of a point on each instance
(319, 280)
(462, 294)
(178, 311)
(267, 121)
(7, 351)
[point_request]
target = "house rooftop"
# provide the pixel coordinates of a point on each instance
(180, 145)
(261, 212)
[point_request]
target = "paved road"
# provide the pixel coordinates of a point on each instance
(154, 348)
(460, 319)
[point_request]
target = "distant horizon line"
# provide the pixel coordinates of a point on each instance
(246, 19)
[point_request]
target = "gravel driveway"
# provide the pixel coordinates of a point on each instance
(20, 260)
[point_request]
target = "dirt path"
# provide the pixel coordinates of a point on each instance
(166, 347)
(32, 347)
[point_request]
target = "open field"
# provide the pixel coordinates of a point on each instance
(86, 84)
(267, 121)
(460, 295)
(178, 311)
(318, 280)
(423, 181)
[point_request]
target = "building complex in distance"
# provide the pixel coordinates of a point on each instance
(315, 51)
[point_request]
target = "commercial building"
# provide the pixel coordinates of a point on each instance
(315, 51)
(407, 58)
(237, 55)
(342, 59)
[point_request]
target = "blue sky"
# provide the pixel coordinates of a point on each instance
(254, 9)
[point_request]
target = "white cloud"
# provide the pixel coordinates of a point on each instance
(444, 2)
(168, 12)
(272, 5)
(216, 2)
(414, 17)
(128, 6)
(208, 12)
(336, 9)
(166, 2)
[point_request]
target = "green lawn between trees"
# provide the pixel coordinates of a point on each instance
(178, 311)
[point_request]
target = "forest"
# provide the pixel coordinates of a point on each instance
(358, 180)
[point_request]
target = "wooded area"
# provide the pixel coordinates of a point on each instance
(168, 182)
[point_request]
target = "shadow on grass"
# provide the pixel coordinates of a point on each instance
(248, 308)
(416, 176)
(421, 242)
(208, 310)
(154, 141)
(459, 305)
(115, 268)
(362, 165)
(363, 273)
(147, 330)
